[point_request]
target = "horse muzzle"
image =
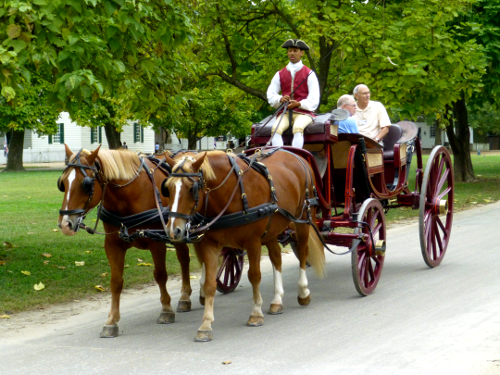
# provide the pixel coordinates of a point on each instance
(70, 224)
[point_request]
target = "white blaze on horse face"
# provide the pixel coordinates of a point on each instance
(71, 178)
(278, 287)
(175, 205)
(303, 291)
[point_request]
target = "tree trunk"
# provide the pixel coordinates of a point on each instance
(192, 139)
(113, 137)
(15, 158)
(438, 141)
(459, 137)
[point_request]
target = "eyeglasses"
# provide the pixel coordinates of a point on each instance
(352, 105)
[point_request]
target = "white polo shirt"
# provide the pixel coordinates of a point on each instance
(371, 119)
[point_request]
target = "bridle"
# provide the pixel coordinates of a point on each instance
(87, 186)
(195, 189)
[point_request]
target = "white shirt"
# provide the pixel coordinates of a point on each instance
(372, 119)
(312, 100)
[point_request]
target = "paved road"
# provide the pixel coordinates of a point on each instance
(418, 321)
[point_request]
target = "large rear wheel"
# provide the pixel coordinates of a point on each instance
(230, 270)
(367, 258)
(436, 206)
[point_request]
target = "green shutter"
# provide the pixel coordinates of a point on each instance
(61, 135)
(135, 132)
(142, 134)
(91, 135)
(100, 135)
(50, 139)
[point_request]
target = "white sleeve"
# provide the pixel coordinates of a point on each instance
(312, 100)
(383, 119)
(273, 91)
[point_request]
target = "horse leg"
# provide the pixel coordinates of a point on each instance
(116, 257)
(182, 252)
(158, 253)
(208, 255)
(202, 283)
(275, 256)
(302, 232)
(256, 317)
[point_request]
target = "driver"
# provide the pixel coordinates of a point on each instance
(299, 87)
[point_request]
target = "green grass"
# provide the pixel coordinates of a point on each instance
(29, 206)
(467, 195)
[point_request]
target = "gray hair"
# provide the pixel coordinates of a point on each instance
(344, 99)
(356, 89)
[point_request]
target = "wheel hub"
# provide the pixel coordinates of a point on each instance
(439, 207)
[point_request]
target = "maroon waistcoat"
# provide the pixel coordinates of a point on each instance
(300, 92)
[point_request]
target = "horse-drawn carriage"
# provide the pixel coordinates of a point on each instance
(336, 190)
(358, 181)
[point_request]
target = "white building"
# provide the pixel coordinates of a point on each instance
(50, 148)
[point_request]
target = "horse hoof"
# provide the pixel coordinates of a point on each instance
(204, 336)
(166, 317)
(275, 309)
(184, 306)
(109, 331)
(304, 301)
(255, 321)
(202, 300)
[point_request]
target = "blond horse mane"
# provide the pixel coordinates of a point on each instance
(208, 172)
(115, 164)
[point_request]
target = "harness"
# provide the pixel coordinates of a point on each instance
(198, 224)
(155, 215)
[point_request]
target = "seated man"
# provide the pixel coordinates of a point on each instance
(349, 125)
(299, 87)
(373, 120)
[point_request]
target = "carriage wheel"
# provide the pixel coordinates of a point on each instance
(231, 269)
(436, 206)
(367, 259)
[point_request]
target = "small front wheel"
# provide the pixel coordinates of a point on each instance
(367, 258)
(230, 270)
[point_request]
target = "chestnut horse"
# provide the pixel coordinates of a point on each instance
(213, 174)
(128, 190)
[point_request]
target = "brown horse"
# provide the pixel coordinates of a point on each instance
(212, 173)
(128, 190)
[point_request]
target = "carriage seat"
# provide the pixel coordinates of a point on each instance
(395, 133)
(321, 129)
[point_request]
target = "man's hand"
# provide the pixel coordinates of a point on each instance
(285, 98)
(293, 104)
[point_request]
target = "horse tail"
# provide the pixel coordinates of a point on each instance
(316, 257)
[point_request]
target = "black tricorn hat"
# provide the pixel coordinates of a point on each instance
(296, 43)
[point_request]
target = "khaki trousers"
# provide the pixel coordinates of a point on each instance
(300, 121)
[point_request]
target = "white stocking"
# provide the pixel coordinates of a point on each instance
(277, 140)
(298, 140)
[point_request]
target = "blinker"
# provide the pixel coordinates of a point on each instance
(164, 189)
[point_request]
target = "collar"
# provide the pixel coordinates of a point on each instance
(293, 68)
(366, 109)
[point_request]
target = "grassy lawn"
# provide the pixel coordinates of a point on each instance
(33, 250)
(467, 195)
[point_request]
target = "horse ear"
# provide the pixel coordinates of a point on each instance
(93, 155)
(169, 160)
(68, 151)
(197, 164)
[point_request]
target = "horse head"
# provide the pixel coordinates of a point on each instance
(80, 183)
(185, 190)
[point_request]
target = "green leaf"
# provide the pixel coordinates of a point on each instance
(13, 31)
(110, 7)
(39, 2)
(8, 93)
